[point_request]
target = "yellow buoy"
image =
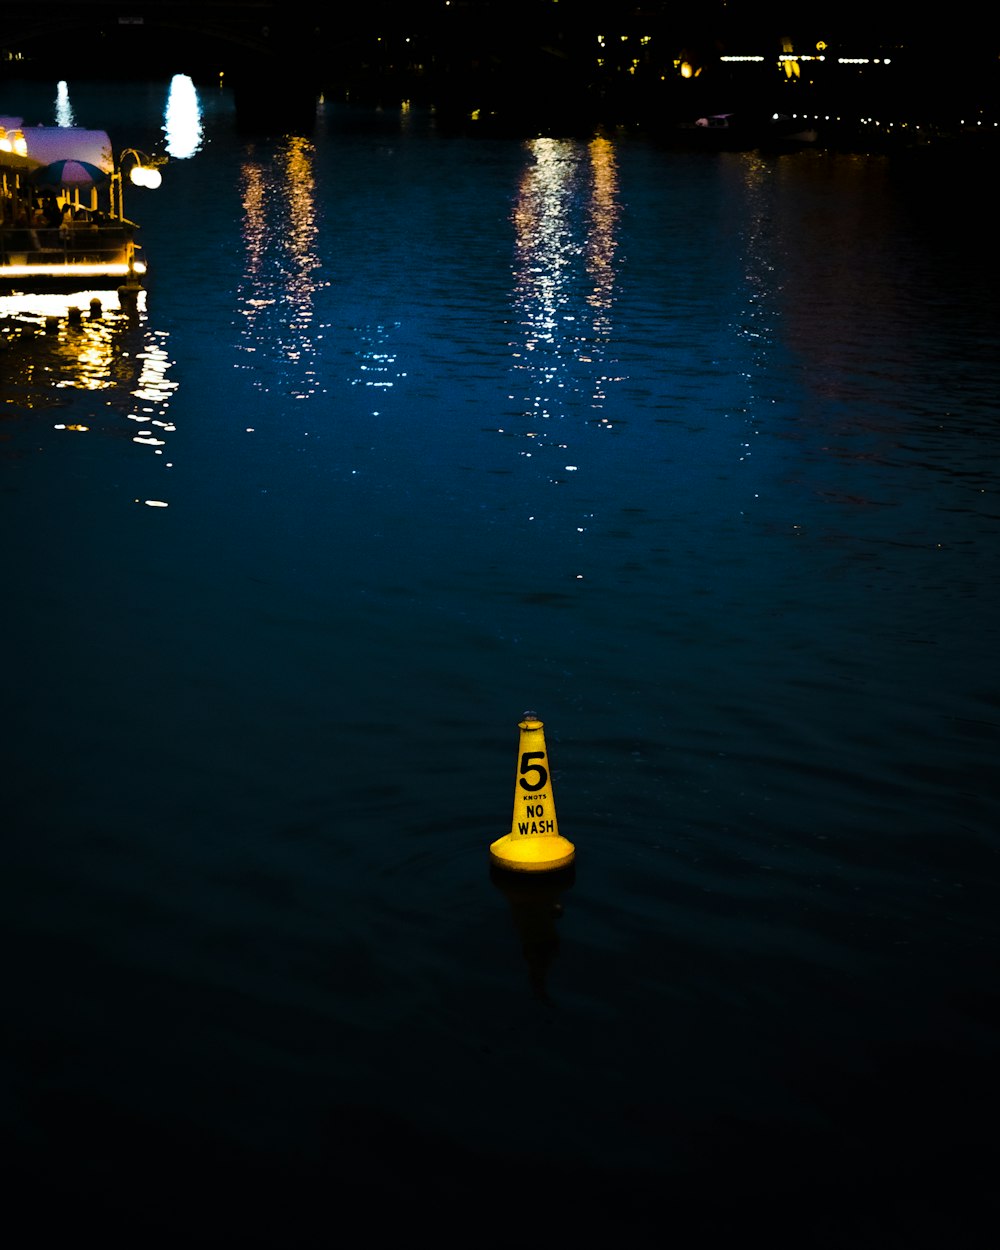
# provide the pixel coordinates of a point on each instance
(534, 843)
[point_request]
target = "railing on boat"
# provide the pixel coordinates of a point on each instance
(84, 243)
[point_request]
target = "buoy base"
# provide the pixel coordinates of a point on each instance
(535, 854)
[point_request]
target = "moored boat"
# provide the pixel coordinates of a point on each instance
(715, 132)
(62, 222)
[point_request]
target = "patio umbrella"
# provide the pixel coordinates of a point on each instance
(69, 173)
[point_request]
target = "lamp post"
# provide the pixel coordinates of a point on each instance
(143, 173)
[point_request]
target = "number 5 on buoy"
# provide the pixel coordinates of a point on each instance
(534, 843)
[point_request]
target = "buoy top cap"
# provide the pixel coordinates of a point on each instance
(529, 721)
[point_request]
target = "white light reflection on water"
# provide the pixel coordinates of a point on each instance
(566, 219)
(182, 119)
(762, 281)
(64, 110)
(376, 365)
(280, 227)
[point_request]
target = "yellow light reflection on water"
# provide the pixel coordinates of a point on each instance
(82, 343)
(605, 212)
(280, 229)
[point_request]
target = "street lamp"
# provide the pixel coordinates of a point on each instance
(144, 172)
(13, 141)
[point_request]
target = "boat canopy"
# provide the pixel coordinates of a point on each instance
(45, 144)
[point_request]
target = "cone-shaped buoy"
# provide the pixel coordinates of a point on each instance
(534, 843)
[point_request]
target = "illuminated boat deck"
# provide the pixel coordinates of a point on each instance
(68, 256)
(62, 220)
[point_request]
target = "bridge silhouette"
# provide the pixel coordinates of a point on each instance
(277, 55)
(285, 51)
(46, 31)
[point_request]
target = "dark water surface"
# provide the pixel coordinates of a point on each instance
(695, 455)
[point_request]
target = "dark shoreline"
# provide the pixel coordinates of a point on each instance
(667, 116)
